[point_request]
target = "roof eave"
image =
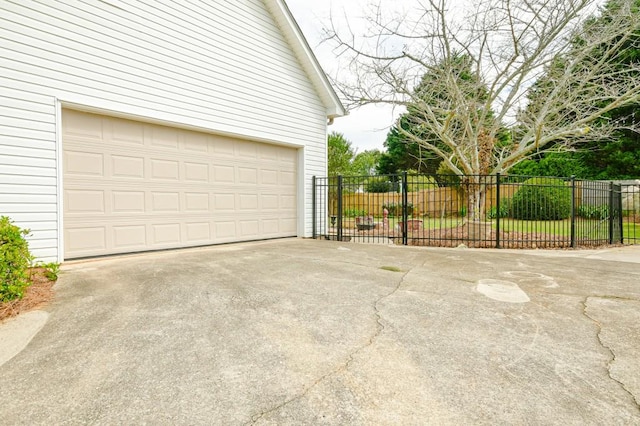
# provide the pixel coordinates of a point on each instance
(307, 58)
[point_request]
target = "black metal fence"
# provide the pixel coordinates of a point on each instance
(478, 211)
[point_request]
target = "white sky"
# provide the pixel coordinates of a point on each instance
(367, 126)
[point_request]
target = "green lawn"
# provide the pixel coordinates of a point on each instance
(631, 232)
(555, 227)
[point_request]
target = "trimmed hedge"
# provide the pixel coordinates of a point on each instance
(542, 199)
(15, 260)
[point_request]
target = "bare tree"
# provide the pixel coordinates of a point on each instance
(545, 70)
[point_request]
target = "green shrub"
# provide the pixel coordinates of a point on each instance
(593, 212)
(51, 270)
(493, 212)
(15, 260)
(395, 210)
(378, 186)
(354, 212)
(542, 199)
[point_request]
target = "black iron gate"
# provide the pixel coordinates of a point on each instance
(477, 211)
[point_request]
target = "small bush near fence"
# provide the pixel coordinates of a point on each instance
(542, 199)
(593, 212)
(395, 210)
(379, 186)
(503, 212)
(355, 212)
(15, 260)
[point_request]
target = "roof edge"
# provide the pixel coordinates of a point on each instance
(307, 58)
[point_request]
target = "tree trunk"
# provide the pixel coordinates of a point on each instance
(476, 194)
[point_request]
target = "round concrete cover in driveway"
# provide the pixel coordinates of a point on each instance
(310, 332)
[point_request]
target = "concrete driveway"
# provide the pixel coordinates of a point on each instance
(310, 332)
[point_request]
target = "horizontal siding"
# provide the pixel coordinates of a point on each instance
(226, 78)
(222, 66)
(28, 189)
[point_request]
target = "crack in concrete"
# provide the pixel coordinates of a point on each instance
(602, 344)
(350, 357)
(594, 296)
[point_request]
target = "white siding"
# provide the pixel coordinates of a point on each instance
(218, 65)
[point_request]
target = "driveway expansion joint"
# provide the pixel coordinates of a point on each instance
(603, 345)
(349, 359)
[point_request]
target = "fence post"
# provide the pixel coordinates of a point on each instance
(339, 207)
(498, 210)
(314, 205)
(573, 211)
(611, 211)
(620, 219)
(405, 202)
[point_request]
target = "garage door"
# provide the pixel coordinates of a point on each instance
(132, 186)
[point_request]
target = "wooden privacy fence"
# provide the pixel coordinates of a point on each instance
(433, 202)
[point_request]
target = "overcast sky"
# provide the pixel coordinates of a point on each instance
(366, 127)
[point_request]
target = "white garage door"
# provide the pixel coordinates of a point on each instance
(132, 186)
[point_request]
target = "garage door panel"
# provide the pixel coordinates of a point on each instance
(163, 138)
(269, 202)
(224, 174)
(85, 201)
(196, 142)
(225, 230)
(248, 202)
(83, 127)
(128, 201)
(165, 234)
(142, 187)
(165, 202)
(287, 179)
(196, 172)
(224, 202)
(198, 232)
(87, 239)
(268, 177)
(125, 133)
(197, 202)
(129, 236)
(248, 150)
(288, 156)
(127, 166)
(247, 175)
(83, 163)
(288, 202)
(287, 225)
(165, 169)
(269, 153)
(271, 226)
(223, 147)
(249, 228)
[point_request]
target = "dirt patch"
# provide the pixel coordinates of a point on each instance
(38, 294)
(453, 237)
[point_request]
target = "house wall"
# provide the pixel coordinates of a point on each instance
(219, 66)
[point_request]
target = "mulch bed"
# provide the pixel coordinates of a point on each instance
(454, 237)
(38, 294)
